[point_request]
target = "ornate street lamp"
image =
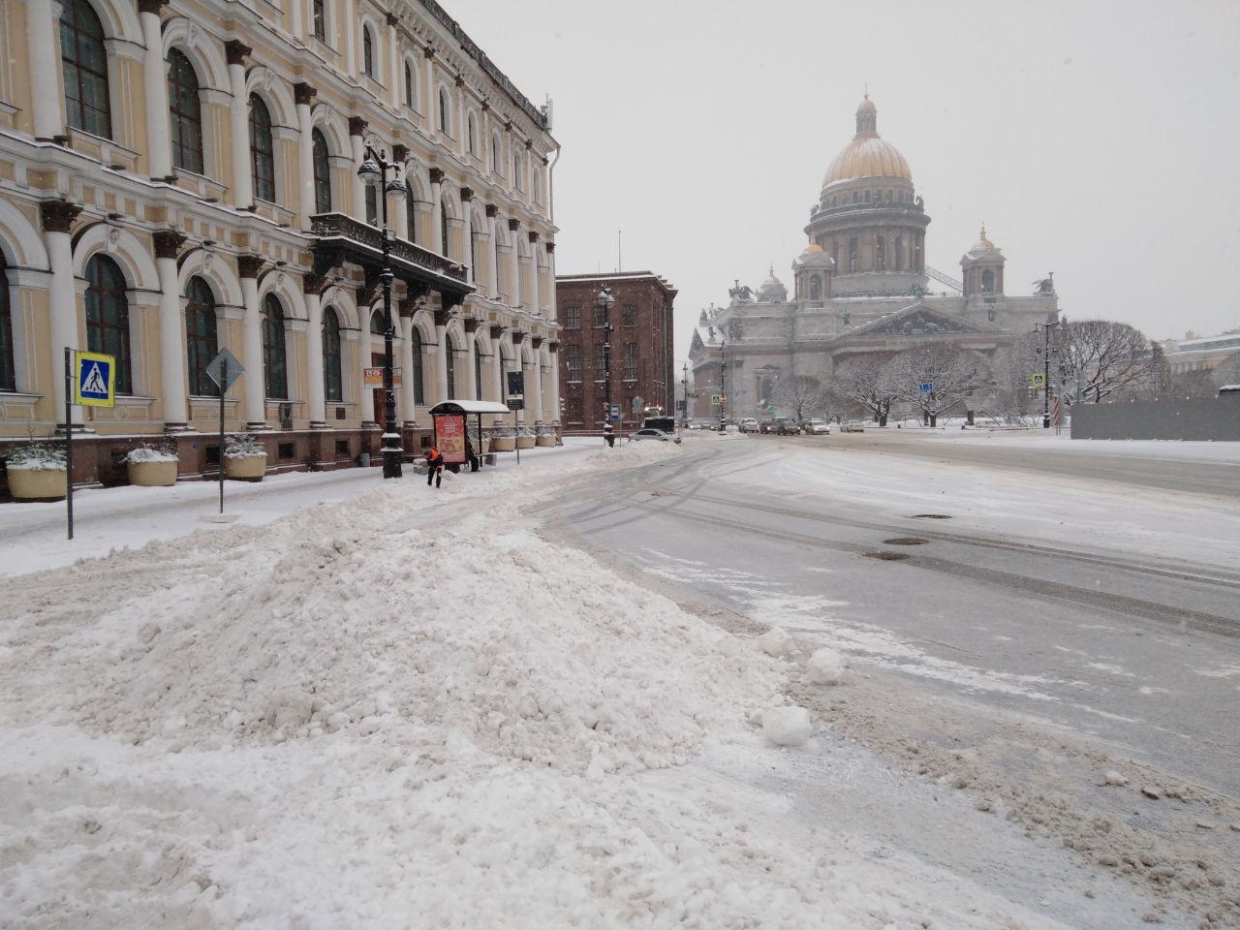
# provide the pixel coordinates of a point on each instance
(723, 385)
(374, 170)
(1046, 371)
(684, 415)
(604, 301)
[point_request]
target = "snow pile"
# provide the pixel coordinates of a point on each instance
(825, 667)
(787, 726)
(777, 642)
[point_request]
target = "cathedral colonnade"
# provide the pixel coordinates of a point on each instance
(181, 188)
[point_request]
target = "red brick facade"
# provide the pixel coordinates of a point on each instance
(641, 347)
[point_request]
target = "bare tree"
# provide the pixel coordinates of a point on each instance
(860, 381)
(803, 395)
(1227, 372)
(1099, 359)
(951, 373)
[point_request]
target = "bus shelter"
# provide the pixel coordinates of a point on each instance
(451, 419)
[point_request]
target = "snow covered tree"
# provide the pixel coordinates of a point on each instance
(803, 395)
(860, 381)
(1101, 359)
(954, 374)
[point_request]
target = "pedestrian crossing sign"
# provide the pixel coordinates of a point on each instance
(94, 379)
(1039, 380)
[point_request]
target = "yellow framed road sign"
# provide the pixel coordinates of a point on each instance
(1039, 380)
(94, 379)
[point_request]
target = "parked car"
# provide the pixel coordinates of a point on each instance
(749, 425)
(766, 426)
(816, 427)
(657, 434)
(852, 426)
(786, 426)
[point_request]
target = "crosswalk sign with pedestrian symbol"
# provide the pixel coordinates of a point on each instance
(94, 381)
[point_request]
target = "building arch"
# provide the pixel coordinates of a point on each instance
(275, 93)
(288, 289)
(409, 81)
(215, 270)
(194, 42)
(334, 128)
(123, 247)
(20, 241)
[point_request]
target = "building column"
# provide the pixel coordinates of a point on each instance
(58, 217)
(42, 18)
(493, 251)
(555, 380)
(535, 285)
(312, 287)
(349, 14)
(471, 361)
(497, 364)
(536, 411)
(239, 125)
(551, 296)
(365, 312)
(155, 83)
(437, 243)
(514, 277)
(357, 130)
(428, 83)
(441, 356)
(304, 94)
(171, 332)
(400, 216)
(395, 72)
(519, 363)
(408, 393)
(467, 236)
(248, 267)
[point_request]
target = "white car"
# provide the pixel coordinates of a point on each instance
(749, 425)
(816, 427)
(655, 434)
(853, 426)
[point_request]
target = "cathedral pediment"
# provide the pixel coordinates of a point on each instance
(697, 345)
(918, 320)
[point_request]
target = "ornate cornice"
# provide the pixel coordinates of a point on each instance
(437, 175)
(304, 93)
(58, 215)
(248, 266)
(357, 126)
(168, 243)
(237, 51)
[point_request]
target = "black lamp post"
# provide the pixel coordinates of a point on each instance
(723, 385)
(374, 171)
(604, 301)
(684, 415)
(1046, 371)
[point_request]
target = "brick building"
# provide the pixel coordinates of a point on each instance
(641, 316)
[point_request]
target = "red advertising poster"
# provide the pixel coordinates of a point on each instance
(450, 437)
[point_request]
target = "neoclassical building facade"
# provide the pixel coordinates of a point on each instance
(180, 176)
(861, 286)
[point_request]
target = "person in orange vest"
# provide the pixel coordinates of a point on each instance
(434, 466)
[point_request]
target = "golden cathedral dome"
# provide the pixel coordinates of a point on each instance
(867, 156)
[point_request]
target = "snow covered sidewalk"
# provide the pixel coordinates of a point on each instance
(396, 708)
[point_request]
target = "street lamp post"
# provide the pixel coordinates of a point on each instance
(373, 171)
(604, 301)
(1046, 371)
(723, 385)
(684, 414)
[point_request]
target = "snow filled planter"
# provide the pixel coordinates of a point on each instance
(38, 484)
(152, 468)
(245, 467)
(503, 443)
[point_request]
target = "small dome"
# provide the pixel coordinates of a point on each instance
(813, 257)
(812, 247)
(983, 242)
(867, 156)
(772, 288)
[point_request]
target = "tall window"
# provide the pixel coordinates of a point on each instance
(200, 335)
(444, 240)
(333, 376)
(368, 52)
(411, 216)
(600, 368)
(536, 183)
(107, 317)
(410, 86)
(572, 318)
(815, 287)
(495, 162)
(880, 253)
(450, 361)
(899, 253)
(445, 124)
(275, 358)
(518, 181)
(322, 174)
(186, 112)
(378, 325)
(600, 316)
(630, 361)
(262, 150)
(988, 281)
(372, 205)
(852, 255)
(477, 377)
(628, 315)
(320, 20)
(573, 360)
(473, 135)
(8, 371)
(419, 395)
(84, 64)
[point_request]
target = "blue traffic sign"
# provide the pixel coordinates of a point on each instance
(94, 382)
(926, 387)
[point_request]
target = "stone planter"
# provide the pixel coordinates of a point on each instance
(245, 468)
(153, 474)
(38, 484)
(545, 441)
(503, 444)
(525, 442)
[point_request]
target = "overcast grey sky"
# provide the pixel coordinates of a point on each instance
(1097, 140)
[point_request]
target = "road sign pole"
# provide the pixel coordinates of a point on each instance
(223, 388)
(69, 437)
(516, 430)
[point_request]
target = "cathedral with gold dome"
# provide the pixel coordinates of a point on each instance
(861, 286)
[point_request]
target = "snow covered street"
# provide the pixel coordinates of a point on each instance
(370, 704)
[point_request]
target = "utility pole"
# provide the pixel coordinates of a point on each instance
(1046, 371)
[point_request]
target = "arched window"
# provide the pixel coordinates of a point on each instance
(815, 287)
(411, 88)
(988, 281)
(275, 356)
(495, 162)
(473, 135)
(451, 363)
(322, 174)
(378, 325)
(186, 112)
(419, 395)
(262, 150)
(411, 216)
(536, 183)
(368, 52)
(200, 337)
(8, 371)
(320, 19)
(518, 176)
(107, 317)
(477, 377)
(333, 378)
(445, 112)
(84, 64)
(372, 205)
(443, 231)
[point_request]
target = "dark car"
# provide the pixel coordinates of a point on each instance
(786, 426)
(766, 426)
